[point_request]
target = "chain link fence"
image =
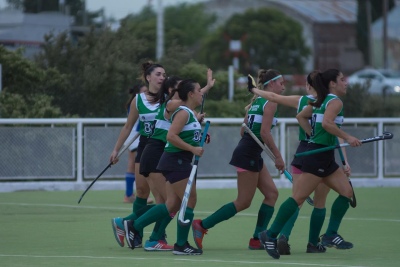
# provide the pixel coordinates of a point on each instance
(43, 150)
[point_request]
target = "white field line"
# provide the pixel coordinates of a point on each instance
(197, 211)
(270, 262)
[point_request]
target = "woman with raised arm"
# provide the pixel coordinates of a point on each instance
(321, 192)
(183, 140)
(251, 170)
(327, 117)
(169, 102)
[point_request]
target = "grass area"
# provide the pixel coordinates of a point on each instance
(50, 229)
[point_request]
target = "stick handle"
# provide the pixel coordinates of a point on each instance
(122, 150)
(188, 189)
(353, 202)
(272, 156)
(385, 136)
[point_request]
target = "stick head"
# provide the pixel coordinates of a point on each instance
(183, 223)
(387, 135)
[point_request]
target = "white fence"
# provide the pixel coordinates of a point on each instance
(67, 154)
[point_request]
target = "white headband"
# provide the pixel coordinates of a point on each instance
(273, 79)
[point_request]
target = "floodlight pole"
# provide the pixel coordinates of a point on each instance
(385, 39)
(160, 31)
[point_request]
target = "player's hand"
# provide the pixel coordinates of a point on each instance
(347, 170)
(113, 158)
(250, 83)
(353, 141)
(280, 164)
(198, 151)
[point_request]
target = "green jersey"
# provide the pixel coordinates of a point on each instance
(318, 133)
(255, 115)
(147, 114)
(191, 132)
(162, 125)
(303, 102)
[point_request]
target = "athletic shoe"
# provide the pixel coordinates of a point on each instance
(283, 245)
(255, 244)
(137, 242)
(186, 249)
(118, 229)
(198, 233)
(315, 249)
(164, 239)
(159, 245)
(335, 241)
(270, 244)
(129, 199)
(130, 233)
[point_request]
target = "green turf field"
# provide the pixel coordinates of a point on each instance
(51, 229)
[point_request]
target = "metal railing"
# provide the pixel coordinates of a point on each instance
(66, 154)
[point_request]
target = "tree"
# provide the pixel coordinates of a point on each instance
(184, 24)
(101, 67)
(270, 39)
(28, 90)
(362, 23)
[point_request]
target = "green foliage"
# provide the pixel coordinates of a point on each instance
(101, 68)
(28, 90)
(269, 38)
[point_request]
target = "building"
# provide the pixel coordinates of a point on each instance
(329, 28)
(18, 29)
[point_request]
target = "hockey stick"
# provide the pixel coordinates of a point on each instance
(185, 199)
(385, 136)
(353, 202)
(122, 150)
(272, 156)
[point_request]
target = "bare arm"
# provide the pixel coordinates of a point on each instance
(330, 126)
(269, 111)
(210, 82)
(125, 131)
(303, 119)
(290, 101)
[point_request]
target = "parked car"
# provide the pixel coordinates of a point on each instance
(377, 81)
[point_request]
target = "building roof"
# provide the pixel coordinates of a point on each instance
(323, 11)
(393, 25)
(19, 27)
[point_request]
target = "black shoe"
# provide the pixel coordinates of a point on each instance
(137, 241)
(315, 249)
(335, 241)
(186, 249)
(283, 245)
(269, 244)
(131, 234)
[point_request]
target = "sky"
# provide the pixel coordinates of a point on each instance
(118, 9)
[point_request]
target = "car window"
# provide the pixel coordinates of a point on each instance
(390, 74)
(367, 76)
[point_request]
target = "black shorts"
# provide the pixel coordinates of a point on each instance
(151, 156)
(142, 143)
(175, 166)
(247, 155)
(296, 162)
(320, 164)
